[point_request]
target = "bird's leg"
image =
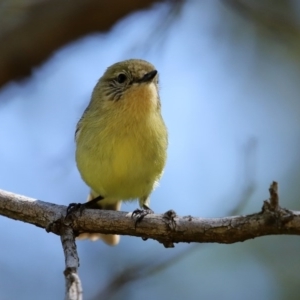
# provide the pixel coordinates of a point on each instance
(73, 207)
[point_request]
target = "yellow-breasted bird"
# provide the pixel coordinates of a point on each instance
(121, 139)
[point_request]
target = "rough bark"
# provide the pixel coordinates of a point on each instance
(166, 228)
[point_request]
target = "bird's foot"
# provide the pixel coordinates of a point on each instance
(139, 214)
(75, 207)
(92, 204)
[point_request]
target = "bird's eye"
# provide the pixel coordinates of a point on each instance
(121, 78)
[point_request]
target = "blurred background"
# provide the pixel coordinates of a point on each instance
(229, 79)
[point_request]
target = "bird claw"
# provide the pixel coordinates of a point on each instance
(74, 207)
(139, 214)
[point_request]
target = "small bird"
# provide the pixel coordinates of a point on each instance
(121, 140)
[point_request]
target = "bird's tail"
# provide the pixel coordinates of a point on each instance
(110, 239)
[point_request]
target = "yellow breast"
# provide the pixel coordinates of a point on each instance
(122, 154)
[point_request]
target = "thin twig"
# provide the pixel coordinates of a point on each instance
(73, 283)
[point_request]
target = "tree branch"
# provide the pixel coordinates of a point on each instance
(73, 283)
(44, 26)
(167, 228)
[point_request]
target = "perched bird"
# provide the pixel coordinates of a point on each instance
(121, 139)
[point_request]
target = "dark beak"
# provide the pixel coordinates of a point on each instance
(148, 77)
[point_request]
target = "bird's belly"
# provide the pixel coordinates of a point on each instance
(121, 170)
